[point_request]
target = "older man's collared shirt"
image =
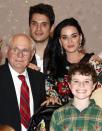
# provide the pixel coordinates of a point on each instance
(69, 118)
(17, 84)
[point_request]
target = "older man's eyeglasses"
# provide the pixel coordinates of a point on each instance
(16, 51)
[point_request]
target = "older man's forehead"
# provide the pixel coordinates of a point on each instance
(20, 40)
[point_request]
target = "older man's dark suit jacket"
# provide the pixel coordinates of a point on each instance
(9, 110)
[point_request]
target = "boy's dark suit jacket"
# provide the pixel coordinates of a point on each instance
(9, 110)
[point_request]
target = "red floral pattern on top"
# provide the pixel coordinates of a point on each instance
(63, 86)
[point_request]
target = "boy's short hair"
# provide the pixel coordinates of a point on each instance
(44, 9)
(83, 69)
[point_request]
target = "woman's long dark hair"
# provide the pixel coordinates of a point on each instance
(58, 60)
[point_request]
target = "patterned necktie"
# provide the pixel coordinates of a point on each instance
(24, 102)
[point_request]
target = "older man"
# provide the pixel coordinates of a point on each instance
(18, 106)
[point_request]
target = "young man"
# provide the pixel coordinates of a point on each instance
(81, 113)
(41, 25)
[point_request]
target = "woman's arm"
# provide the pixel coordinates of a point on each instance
(97, 63)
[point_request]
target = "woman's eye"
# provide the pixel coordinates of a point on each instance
(64, 37)
(74, 36)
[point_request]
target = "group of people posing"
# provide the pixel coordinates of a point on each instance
(57, 69)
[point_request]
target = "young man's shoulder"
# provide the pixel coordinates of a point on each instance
(35, 72)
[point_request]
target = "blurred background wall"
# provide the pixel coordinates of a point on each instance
(14, 18)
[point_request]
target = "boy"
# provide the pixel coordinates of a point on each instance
(81, 113)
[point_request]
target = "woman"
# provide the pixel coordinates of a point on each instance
(68, 49)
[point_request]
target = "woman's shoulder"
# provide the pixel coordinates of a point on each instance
(96, 61)
(96, 58)
(87, 57)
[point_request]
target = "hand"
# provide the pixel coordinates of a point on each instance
(44, 129)
(95, 58)
(52, 100)
(34, 66)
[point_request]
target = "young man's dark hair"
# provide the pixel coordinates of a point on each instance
(42, 9)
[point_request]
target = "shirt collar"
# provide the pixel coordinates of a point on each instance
(37, 57)
(16, 73)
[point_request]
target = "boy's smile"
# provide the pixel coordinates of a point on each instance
(81, 86)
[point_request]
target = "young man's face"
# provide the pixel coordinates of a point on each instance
(40, 27)
(81, 86)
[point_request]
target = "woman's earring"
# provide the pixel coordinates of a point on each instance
(61, 50)
(80, 47)
(61, 47)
